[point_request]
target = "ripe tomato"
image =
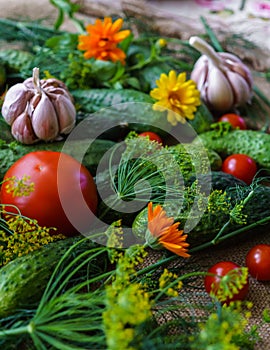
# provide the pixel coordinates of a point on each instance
(235, 120)
(152, 136)
(241, 166)
(62, 195)
(258, 262)
(221, 269)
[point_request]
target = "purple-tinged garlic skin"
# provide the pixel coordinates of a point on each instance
(39, 110)
(223, 80)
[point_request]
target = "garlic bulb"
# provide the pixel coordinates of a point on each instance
(39, 110)
(223, 80)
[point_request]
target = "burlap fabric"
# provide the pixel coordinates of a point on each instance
(180, 26)
(234, 250)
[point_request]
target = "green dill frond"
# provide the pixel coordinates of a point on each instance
(145, 171)
(30, 33)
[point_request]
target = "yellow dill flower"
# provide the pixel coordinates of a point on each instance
(161, 42)
(169, 284)
(102, 40)
(128, 305)
(177, 95)
(115, 235)
(19, 187)
(231, 284)
(26, 237)
(225, 330)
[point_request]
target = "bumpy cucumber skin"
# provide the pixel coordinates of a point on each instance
(119, 111)
(93, 100)
(194, 160)
(255, 209)
(10, 153)
(23, 280)
(253, 143)
(217, 179)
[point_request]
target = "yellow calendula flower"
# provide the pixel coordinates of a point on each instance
(177, 95)
(102, 39)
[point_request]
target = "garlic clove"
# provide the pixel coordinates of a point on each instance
(58, 91)
(240, 88)
(200, 72)
(66, 113)
(44, 119)
(219, 92)
(22, 130)
(15, 102)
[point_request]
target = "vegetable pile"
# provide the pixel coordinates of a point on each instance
(120, 161)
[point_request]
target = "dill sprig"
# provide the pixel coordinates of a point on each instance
(145, 171)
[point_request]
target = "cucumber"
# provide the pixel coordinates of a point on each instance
(253, 143)
(11, 152)
(218, 180)
(194, 159)
(210, 223)
(91, 101)
(112, 113)
(23, 280)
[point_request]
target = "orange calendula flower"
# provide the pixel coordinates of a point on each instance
(177, 95)
(163, 232)
(102, 40)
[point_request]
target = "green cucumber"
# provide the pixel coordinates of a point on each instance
(11, 152)
(116, 112)
(195, 159)
(91, 101)
(210, 223)
(253, 143)
(23, 280)
(218, 180)
(131, 110)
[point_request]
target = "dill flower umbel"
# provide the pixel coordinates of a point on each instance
(23, 237)
(177, 95)
(163, 232)
(128, 304)
(102, 40)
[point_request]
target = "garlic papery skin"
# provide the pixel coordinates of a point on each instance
(39, 110)
(22, 129)
(223, 80)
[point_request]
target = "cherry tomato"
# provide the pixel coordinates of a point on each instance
(221, 269)
(235, 120)
(152, 136)
(62, 195)
(241, 166)
(258, 262)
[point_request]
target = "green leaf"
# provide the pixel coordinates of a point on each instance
(103, 70)
(65, 41)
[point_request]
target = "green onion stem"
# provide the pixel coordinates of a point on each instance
(15, 331)
(231, 234)
(261, 95)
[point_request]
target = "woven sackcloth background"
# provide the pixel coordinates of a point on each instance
(176, 18)
(232, 250)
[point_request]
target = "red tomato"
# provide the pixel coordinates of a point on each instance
(258, 262)
(235, 120)
(152, 136)
(241, 166)
(220, 269)
(62, 194)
